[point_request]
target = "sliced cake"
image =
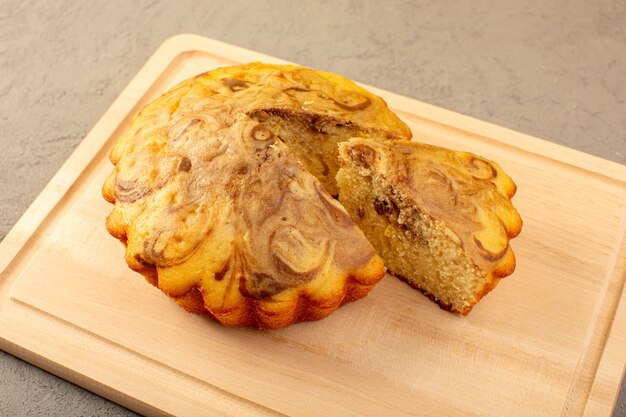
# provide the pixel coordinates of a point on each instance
(440, 219)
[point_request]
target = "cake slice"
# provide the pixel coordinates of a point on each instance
(440, 219)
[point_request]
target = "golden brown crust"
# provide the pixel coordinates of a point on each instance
(217, 212)
(305, 309)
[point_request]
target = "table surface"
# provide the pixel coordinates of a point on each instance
(555, 69)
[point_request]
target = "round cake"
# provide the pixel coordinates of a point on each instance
(217, 204)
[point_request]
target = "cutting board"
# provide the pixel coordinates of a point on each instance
(550, 340)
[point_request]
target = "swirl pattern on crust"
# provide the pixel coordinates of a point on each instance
(258, 86)
(218, 213)
(311, 110)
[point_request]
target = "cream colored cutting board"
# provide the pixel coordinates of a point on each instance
(550, 340)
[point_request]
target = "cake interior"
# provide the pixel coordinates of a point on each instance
(415, 246)
(313, 139)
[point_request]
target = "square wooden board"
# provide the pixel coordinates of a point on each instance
(550, 340)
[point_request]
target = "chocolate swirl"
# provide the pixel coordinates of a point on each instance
(129, 191)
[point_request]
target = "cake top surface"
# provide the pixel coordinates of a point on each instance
(203, 192)
(259, 86)
(468, 193)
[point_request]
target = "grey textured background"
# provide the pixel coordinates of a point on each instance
(551, 68)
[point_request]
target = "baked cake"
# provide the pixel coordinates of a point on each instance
(440, 219)
(223, 197)
(309, 110)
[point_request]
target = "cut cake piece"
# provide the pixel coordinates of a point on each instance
(440, 219)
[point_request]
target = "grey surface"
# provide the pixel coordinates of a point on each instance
(553, 69)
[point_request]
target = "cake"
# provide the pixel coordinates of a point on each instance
(217, 202)
(223, 197)
(440, 219)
